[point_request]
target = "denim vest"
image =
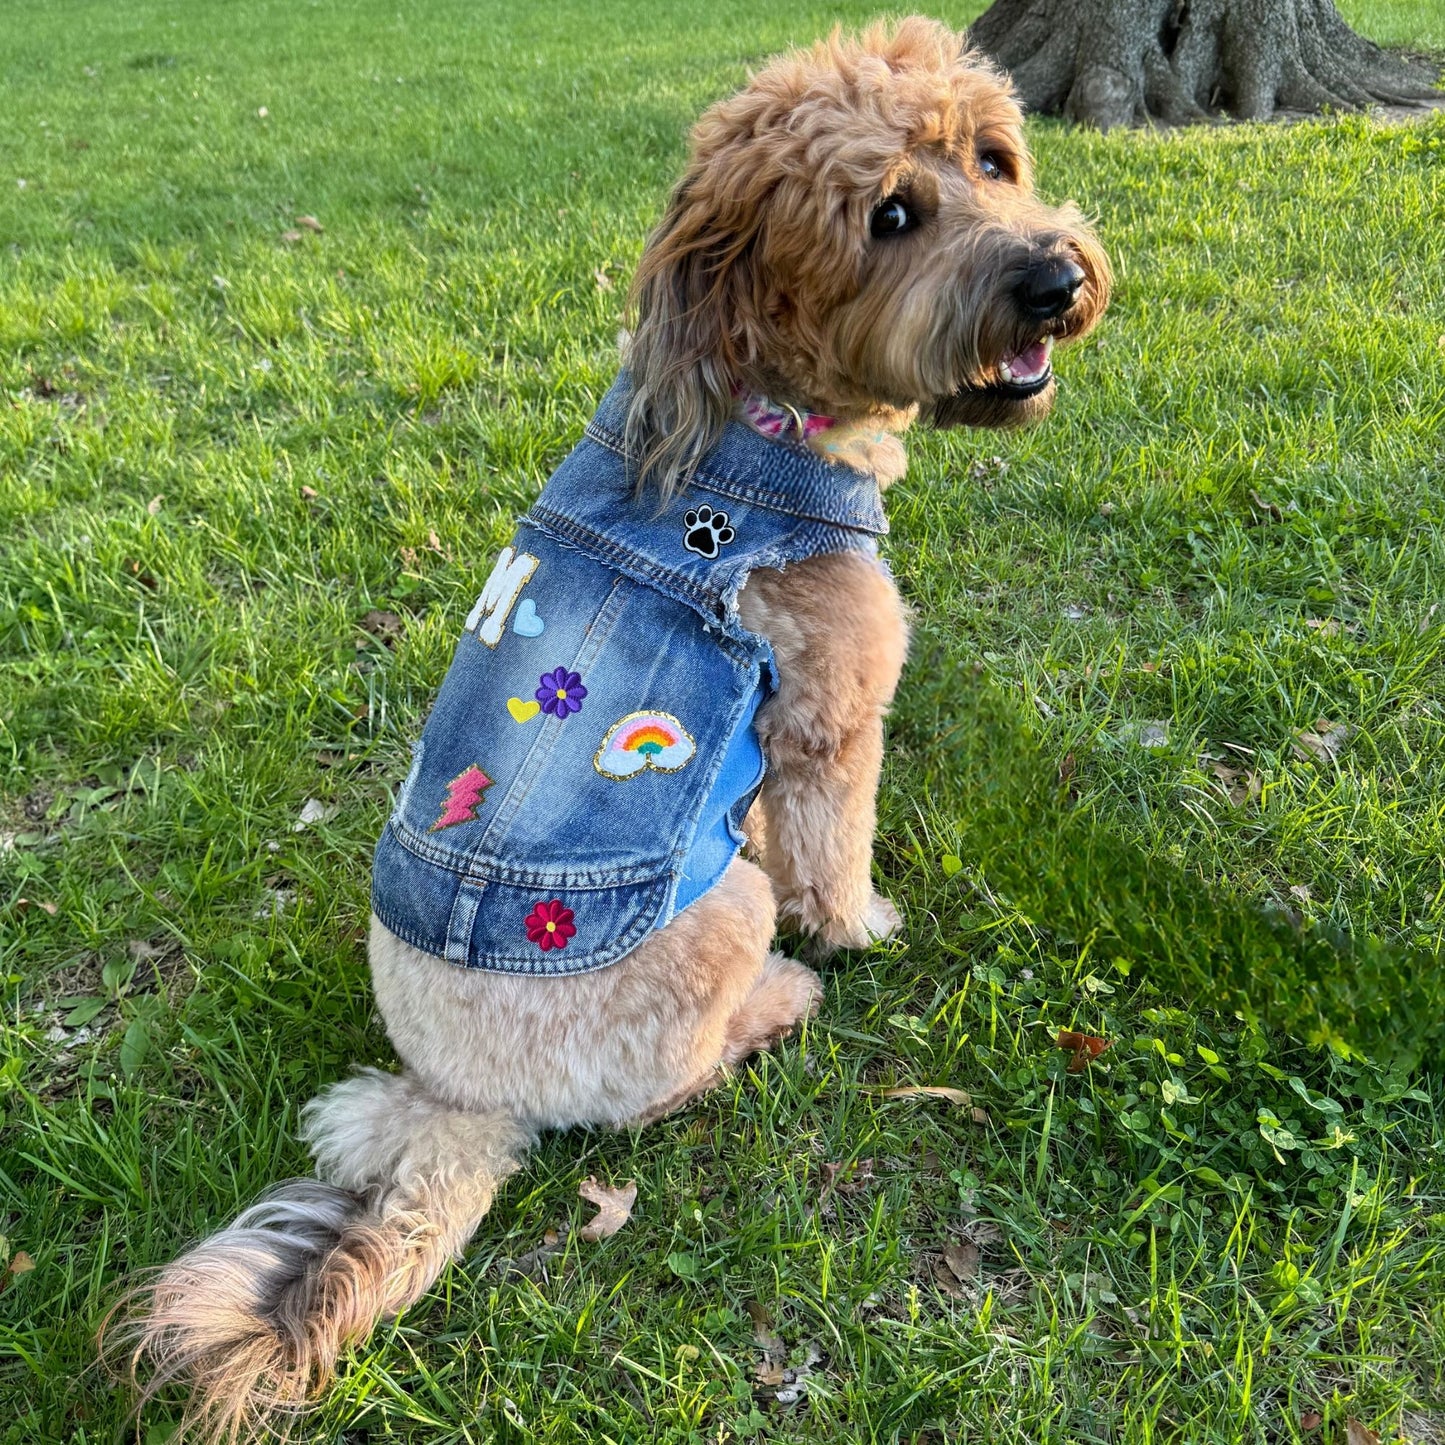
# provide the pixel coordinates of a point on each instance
(589, 761)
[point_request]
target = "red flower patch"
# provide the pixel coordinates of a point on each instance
(549, 925)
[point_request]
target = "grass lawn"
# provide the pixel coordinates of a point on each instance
(246, 484)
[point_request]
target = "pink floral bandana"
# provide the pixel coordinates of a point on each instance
(787, 422)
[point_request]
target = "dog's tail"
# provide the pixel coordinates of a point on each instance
(254, 1318)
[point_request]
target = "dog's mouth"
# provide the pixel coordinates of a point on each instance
(1016, 390)
(1026, 373)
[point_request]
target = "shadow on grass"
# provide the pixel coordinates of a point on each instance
(1072, 876)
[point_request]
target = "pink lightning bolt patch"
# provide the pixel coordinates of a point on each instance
(464, 794)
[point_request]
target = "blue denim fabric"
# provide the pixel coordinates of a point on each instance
(508, 807)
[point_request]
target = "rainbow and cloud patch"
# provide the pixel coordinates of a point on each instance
(644, 740)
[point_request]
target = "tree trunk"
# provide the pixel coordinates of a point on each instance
(1122, 62)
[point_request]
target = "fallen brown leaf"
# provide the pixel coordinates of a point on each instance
(309, 494)
(534, 1261)
(1239, 785)
(847, 1178)
(153, 507)
(963, 1260)
(310, 223)
(1311, 1420)
(26, 903)
(768, 1370)
(290, 237)
(20, 1263)
(1322, 742)
(385, 625)
(930, 1091)
(614, 1207)
(945, 1278)
(1085, 1047)
(1358, 1434)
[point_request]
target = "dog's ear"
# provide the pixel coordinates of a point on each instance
(696, 324)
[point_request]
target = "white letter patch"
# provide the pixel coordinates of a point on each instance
(489, 613)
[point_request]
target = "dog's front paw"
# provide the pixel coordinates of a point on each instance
(881, 921)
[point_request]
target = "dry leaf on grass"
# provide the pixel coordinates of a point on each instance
(290, 237)
(22, 904)
(153, 507)
(20, 1263)
(614, 1207)
(1311, 1420)
(310, 223)
(534, 1261)
(769, 1370)
(1085, 1047)
(313, 810)
(384, 625)
(945, 1279)
(962, 1260)
(1239, 785)
(309, 494)
(930, 1091)
(847, 1178)
(1322, 742)
(1358, 1434)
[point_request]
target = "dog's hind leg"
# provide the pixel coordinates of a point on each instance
(783, 995)
(605, 1047)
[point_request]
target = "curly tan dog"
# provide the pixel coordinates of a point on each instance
(855, 242)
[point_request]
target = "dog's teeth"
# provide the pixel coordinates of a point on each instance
(1007, 370)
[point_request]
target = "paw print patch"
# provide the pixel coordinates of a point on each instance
(707, 531)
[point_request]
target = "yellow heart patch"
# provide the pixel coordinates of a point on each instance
(523, 711)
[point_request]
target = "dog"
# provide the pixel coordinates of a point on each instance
(575, 902)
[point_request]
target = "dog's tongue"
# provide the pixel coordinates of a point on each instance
(1028, 364)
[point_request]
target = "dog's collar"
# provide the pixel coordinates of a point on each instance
(774, 419)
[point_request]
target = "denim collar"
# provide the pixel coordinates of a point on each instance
(773, 472)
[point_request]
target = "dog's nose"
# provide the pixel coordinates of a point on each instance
(1049, 287)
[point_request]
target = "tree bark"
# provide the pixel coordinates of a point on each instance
(1131, 62)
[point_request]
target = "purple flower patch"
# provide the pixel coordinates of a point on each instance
(561, 692)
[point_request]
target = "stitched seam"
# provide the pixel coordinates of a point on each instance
(610, 953)
(744, 491)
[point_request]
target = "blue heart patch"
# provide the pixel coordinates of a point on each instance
(527, 623)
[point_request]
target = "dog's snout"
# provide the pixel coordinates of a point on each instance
(1049, 287)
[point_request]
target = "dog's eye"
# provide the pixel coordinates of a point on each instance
(892, 218)
(991, 166)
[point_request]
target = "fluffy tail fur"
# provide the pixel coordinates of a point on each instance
(255, 1317)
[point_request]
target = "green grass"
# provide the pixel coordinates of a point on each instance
(220, 450)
